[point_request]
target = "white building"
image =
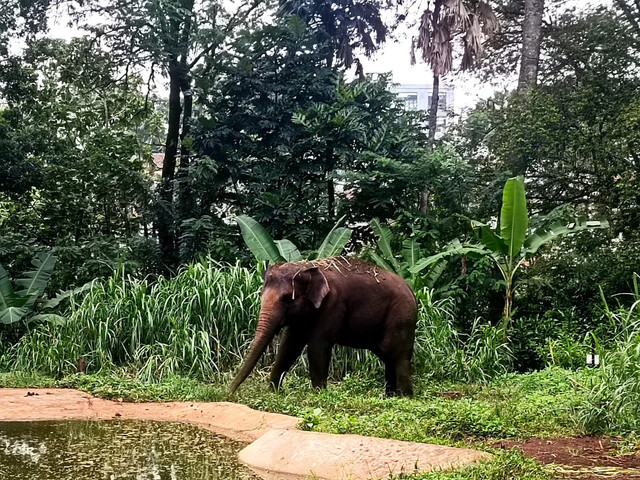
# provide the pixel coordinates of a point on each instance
(418, 97)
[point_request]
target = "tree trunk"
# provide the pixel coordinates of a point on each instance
(185, 206)
(531, 38)
(425, 197)
(331, 190)
(166, 215)
(433, 109)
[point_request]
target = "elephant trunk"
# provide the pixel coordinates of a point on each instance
(266, 331)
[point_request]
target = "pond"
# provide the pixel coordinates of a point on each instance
(113, 450)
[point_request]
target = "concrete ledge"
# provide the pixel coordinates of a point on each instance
(294, 454)
(238, 422)
(278, 451)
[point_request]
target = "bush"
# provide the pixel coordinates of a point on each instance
(613, 404)
(197, 323)
(445, 353)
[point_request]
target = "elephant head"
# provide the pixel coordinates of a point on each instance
(291, 291)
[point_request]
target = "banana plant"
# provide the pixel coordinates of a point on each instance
(266, 249)
(17, 304)
(511, 247)
(404, 263)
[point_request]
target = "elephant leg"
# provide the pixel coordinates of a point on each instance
(290, 349)
(403, 375)
(319, 355)
(390, 377)
(389, 371)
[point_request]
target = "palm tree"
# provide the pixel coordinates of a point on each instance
(441, 23)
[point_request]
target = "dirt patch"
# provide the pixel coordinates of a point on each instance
(584, 458)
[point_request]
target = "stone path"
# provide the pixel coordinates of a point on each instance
(278, 451)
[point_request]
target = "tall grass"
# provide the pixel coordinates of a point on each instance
(443, 352)
(196, 324)
(613, 404)
(200, 322)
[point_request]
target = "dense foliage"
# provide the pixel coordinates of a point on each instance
(145, 196)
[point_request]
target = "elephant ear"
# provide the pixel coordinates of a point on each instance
(311, 283)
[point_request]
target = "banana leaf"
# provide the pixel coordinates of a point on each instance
(489, 239)
(258, 240)
(288, 250)
(335, 241)
(547, 233)
(410, 251)
(13, 314)
(384, 242)
(34, 282)
(514, 220)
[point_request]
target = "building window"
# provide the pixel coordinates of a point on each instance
(410, 101)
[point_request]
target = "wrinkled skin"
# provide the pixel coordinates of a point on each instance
(335, 301)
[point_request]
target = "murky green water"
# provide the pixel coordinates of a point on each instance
(83, 450)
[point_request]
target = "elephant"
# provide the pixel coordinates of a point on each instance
(338, 300)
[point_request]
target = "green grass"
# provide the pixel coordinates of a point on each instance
(196, 324)
(465, 414)
(539, 404)
(506, 465)
(199, 324)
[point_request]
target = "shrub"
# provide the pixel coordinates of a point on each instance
(197, 323)
(613, 404)
(445, 353)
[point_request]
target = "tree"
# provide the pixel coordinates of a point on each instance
(511, 248)
(439, 26)
(531, 40)
(78, 135)
(172, 37)
(574, 137)
(253, 157)
(344, 27)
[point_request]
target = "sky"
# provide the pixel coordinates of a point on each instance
(394, 57)
(469, 90)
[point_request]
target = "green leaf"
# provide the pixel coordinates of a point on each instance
(34, 282)
(435, 272)
(288, 250)
(514, 220)
(488, 238)
(380, 261)
(50, 318)
(547, 233)
(54, 302)
(410, 251)
(258, 240)
(453, 248)
(7, 296)
(12, 314)
(384, 242)
(335, 241)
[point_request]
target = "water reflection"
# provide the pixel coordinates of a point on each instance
(114, 450)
